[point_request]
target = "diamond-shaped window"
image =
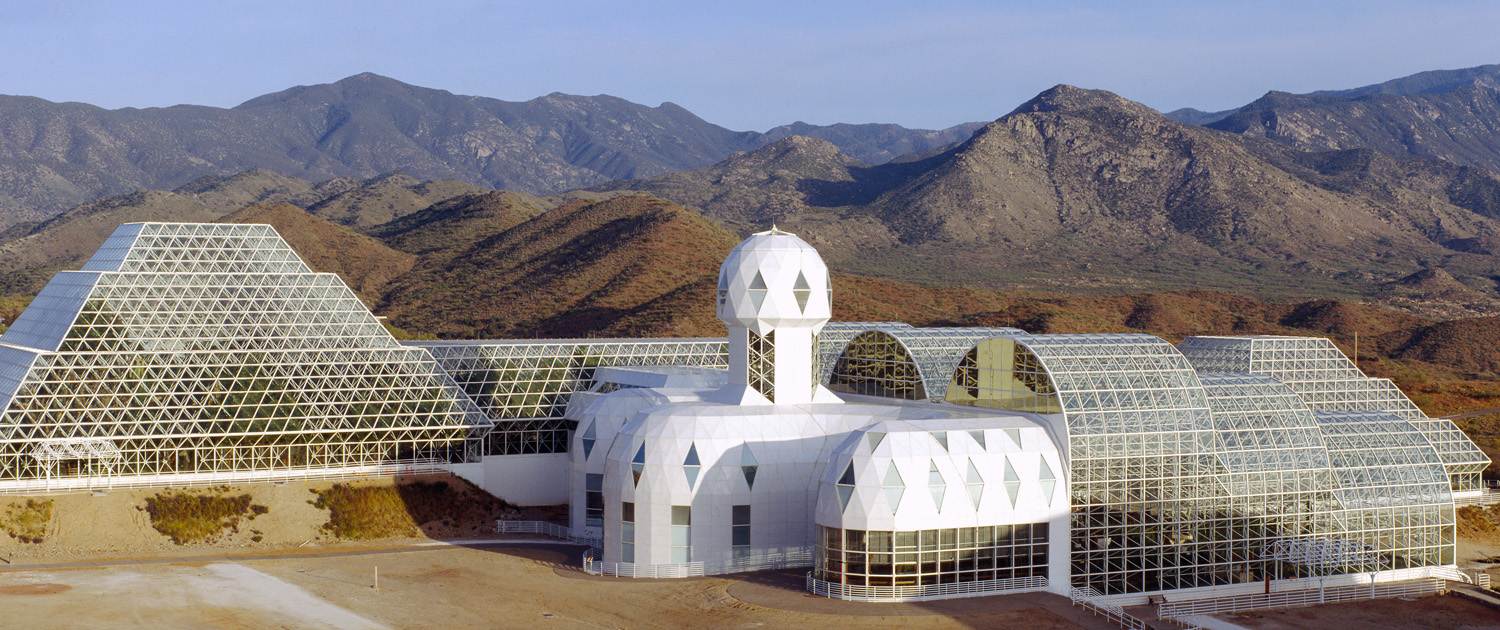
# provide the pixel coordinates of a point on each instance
(1012, 483)
(894, 487)
(638, 464)
(749, 466)
(801, 291)
(758, 290)
(845, 486)
(936, 485)
(588, 440)
(691, 465)
(1049, 481)
(975, 484)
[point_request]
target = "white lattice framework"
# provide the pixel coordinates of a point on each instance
(1324, 377)
(206, 348)
(1392, 487)
(1181, 479)
(902, 361)
(524, 386)
(1146, 485)
(1276, 472)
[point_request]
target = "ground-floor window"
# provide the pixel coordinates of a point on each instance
(931, 556)
(682, 534)
(627, 531)
(739, 532)
(593, 500)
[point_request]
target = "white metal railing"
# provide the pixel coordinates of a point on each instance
(767, 560)
(1300, 597)
(1481, 578)
(633, 570)
(57, 485)
(545, 528)
(1485, 497)
(1453, 574)
(1092, 601)
(851, 592)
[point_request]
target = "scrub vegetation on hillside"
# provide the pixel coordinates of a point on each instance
(27, 520)
(413, 508)
(190, 517)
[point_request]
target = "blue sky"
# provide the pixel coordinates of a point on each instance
(745, 65)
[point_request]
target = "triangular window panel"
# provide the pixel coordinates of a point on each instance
(588, 440)
(975, 484)
(638, 464)
(894, 487)
(875, 437)
(802, 292)
(1049, 482)
(936, 485)
(758, 291)
(748, 466)
(691, 465)
(978, 436)
(1015, 436)
(845, 486)
(1012, 483)
(942, 438)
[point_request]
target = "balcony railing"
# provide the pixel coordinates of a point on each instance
(923, 592)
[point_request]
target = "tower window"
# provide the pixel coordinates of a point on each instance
(761, 363)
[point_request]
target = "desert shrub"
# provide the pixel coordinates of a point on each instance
(27, 522)
(187, 518)
(406, 509)
(365, 512)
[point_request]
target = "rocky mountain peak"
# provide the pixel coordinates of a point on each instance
(1072, 99)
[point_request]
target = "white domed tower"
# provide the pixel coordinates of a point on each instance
(775, 298)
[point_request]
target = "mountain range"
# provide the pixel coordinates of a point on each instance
(1451, 115)
(1082, 188)
(56, 155)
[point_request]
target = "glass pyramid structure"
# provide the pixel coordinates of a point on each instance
(212, 351)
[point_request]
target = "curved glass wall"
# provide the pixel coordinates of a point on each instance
(904, 362)
(1328, 381)
(932, 556)
(1393, 488)
(1149, 509)
(1276, 473)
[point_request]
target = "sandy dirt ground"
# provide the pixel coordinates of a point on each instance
(1473, 554)
(1449, 612)
(114, 524)
(456, 587)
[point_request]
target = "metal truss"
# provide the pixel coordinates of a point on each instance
(207, 348)
(1319, 372)
(524, 386)
(901, 361)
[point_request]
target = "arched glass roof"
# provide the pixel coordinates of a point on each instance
(903, 361)
(1327, 380)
